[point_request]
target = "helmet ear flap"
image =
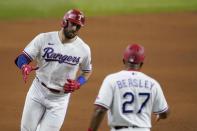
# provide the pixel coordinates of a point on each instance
(64, 23)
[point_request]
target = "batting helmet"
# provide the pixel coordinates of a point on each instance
(134, 53)
(74, 16)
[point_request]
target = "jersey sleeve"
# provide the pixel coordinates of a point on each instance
(33, 48)
(160, 104)
(86, 65)
(105, 95)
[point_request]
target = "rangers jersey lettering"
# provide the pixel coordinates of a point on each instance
(50, 55)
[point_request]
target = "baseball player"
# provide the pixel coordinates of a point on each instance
(130, 96)
(59, 55)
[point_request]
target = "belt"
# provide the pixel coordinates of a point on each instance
(120, 127)
(50, 89)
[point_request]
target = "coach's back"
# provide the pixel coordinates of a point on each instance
(132, 98)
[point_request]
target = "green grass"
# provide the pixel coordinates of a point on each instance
(17, 9)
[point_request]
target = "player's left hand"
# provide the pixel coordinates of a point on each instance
(71, 86)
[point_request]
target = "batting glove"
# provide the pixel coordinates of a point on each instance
(71, 86)
(26, 69)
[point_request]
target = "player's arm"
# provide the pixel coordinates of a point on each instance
(22, 62)
(83, 77)
(97, 117)
(163, 115)
(85, 68)
(86, 71)
(30, 52)
(160, 106)
(102, 103)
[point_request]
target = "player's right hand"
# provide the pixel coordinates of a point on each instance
(26, 69)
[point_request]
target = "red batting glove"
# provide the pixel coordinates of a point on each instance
(26, 69)
(71, 86)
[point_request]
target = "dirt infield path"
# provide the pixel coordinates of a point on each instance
(170, 41)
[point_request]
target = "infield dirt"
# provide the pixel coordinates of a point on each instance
(170, 41)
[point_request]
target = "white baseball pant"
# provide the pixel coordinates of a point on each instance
(43, 109)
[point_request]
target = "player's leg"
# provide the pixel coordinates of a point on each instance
(55, 114)
(32, 112)
(31, 116)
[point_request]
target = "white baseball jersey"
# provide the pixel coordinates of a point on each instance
(56, 61)
(131, 97)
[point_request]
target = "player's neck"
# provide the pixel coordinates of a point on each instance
(65, 40)
(133, 69)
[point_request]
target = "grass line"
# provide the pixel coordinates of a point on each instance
(17, 9)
